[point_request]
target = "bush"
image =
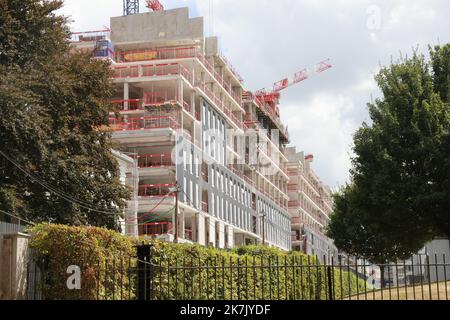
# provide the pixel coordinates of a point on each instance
(245, 273)
(179, 271)
(94, 250)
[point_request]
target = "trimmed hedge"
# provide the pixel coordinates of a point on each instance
(247, 273)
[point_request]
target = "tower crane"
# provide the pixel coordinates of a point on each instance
(132, 6)
(155, 5)
(272, 97)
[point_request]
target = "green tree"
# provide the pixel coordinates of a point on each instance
(384, 214)
(52, 102)
(438, 201)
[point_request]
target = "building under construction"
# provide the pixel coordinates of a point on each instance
(310, 206)
(210, 155)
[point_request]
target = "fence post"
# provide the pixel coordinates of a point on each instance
(144, 271)
(330, 283)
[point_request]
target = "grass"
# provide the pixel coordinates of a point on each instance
(439, 291)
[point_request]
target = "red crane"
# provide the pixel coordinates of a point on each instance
(272, 97)
(155, 5)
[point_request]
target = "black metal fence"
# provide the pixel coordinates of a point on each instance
(150, 277)
(35, 276)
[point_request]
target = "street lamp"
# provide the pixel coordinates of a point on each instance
(176, 190)
(263, 215)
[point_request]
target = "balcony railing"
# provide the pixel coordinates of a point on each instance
(90, 36)
(249, 180)
(155, 161)
(230, 66)
(235, 171)
(210, 94)
(127, 105)
(155, 99)
(156, 229)
(144, 123)
(152, 70)
(156, 190)
(158, 54)
(126, 72)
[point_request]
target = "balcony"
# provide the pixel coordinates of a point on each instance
(156, 190)
(205, 176)
(161, 98)
(296, 237)
(125, 72)
(90, 36)
(249, 181)
(220, 104)
(144, 123)
(176, 53)
(155, 161)
(296, 220)
(294, 204)
(230, 66)
(236, 171)
(159, 54)
(205, 207)
(152, 70)
(156, 229)
(170, 69)
(127, 105)
(188, 235)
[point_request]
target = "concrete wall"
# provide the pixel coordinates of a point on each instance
(211, 46)
(172, 26)
(436, 251)
(13, 266)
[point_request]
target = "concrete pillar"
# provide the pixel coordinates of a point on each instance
(126, 94)
(180, 91)
(212, 232)
(201, 230)
(182, 224)
(221, 231)
(230, 237)
(193, 106)
(194, 229)
(13, 266)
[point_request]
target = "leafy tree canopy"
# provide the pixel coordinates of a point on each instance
(52, 100)
(395, 202)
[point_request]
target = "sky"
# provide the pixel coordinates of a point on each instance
(267, 40)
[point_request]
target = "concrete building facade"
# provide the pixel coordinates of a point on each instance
(183, 112)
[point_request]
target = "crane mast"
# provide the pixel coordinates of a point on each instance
(132, 6)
